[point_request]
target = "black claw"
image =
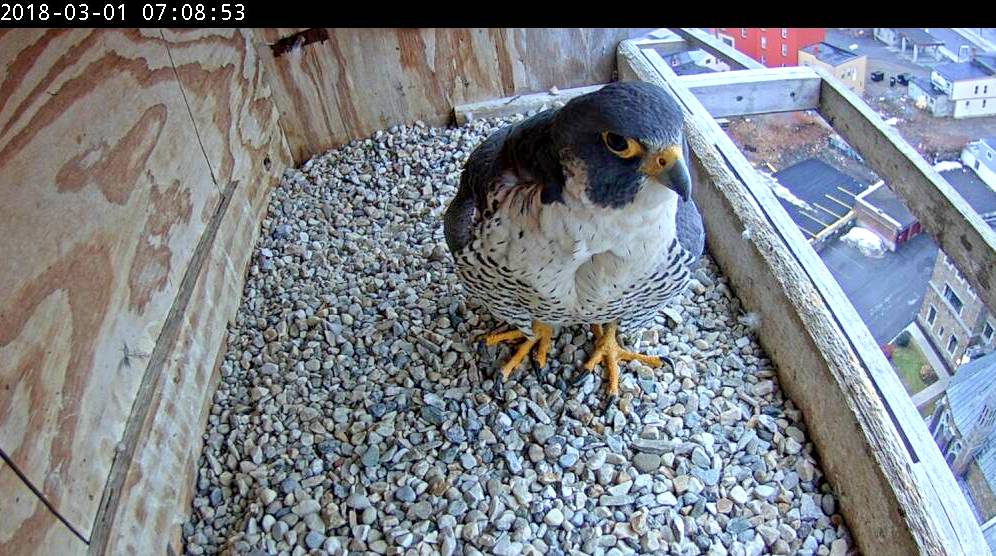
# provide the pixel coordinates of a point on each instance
(668, 360)
(610, 402)
(540, 372)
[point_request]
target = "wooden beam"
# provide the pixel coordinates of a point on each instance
(667, 46)
(958, 229)
(839, 202)
(700, 39)
(757, 91)
(518, 104)
(824, 353)
(724, 94)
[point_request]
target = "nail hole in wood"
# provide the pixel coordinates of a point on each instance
(297, 40)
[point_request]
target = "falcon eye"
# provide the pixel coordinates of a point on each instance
(623, 147)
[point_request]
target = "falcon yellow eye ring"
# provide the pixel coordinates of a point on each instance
(623, 147)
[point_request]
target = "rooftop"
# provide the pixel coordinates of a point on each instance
(885, 200)
(968, 391)
(689, 62)
(919, 37)
(811, 181)
(829, 53)
(975, 191)
(958, 71)
(928, 87)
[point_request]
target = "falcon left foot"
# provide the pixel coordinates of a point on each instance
(607, 351)
(542, 335)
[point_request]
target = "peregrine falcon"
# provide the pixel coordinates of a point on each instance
(580, 215)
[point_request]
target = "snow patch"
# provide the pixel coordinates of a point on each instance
(945, 165)
(853, 47)
(892, 121)
(784, 192)
(866, 241)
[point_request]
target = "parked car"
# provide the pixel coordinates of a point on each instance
(904, 78)
(892, 81)
(877, 75)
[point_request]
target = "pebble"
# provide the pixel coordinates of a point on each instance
(554, 518)
(355, 412)
(646, 463)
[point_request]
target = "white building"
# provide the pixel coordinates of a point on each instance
(981, 156)
(969, 86)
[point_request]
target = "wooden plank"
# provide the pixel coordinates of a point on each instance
(518, 104)
(776, 275)
(237, 126)
(759, 91)
(107, 194)
(700, 39)
(363, 80)
(28, 526)
(665, 47)
(956, 227)
(724, 94)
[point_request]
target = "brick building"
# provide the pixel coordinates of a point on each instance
(954, 319)
(772, 46)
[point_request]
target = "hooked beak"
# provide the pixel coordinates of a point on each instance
(668, 167)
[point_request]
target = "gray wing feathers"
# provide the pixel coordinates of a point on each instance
(688, 227)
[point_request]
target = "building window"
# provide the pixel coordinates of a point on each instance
(953, 299)
(983, 103)
(985, 89)
(764, 60)
(931, 315)
(727, 40)
(968, 103)
(785, 49)
(952, 344)
(764, 42)
(785, 32)
(987, 332)
(743, 32)
(976, 89)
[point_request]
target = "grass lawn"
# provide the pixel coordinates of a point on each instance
(928, 409)
(907, 362)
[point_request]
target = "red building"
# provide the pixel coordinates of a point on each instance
(772, 46)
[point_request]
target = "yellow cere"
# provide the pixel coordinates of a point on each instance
(662, 160)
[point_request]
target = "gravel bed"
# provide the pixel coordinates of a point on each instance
(357, 411)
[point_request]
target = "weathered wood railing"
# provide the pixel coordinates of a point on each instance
(895, 489)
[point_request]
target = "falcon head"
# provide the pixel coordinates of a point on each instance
(623, 139)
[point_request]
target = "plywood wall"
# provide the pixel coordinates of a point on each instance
(362, 80)
(119, 149)
(135, 168)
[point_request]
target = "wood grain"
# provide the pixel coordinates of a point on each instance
(28, 526)
(362, 80)
(885, 505)
(108, 192)
(237, 124)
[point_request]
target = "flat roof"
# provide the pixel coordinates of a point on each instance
(919, 37)
(928, 87)
(812, 180)
(885, 200)
(975, 191)
(957, 71)
(829, 53)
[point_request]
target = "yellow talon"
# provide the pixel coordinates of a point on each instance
(607, 350)
(542, 335)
